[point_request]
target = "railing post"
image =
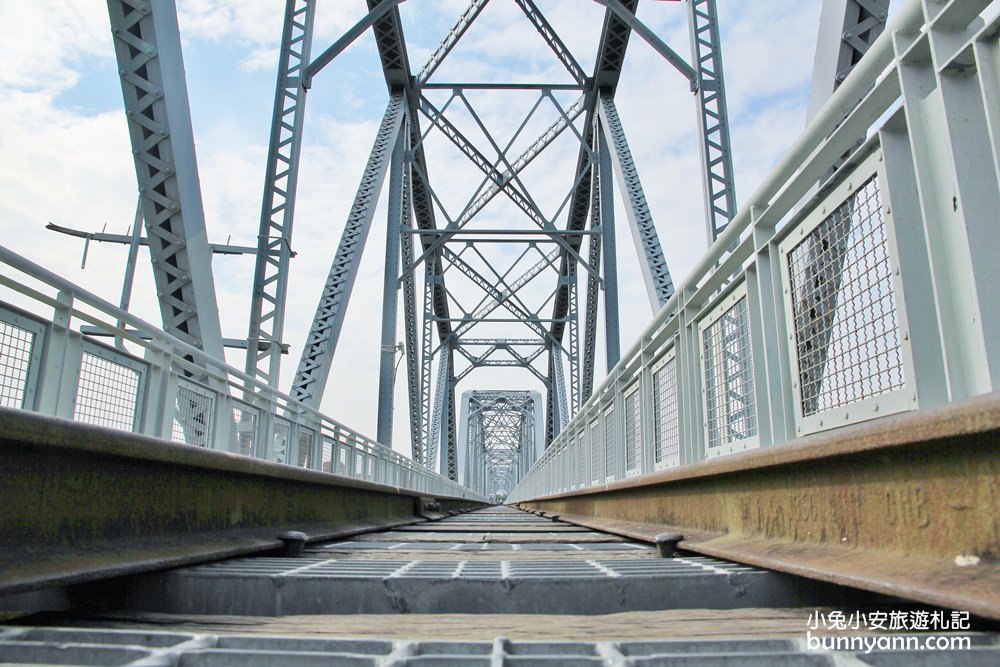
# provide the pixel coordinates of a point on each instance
(58, 384)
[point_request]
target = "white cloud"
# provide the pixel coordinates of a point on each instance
(73, 166)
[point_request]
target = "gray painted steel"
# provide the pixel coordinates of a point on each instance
(148, 48)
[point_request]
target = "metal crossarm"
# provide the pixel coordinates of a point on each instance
(449, 42)
(321, 344)
(148, 49)
(552, 38)
(713, 117)
(659, 286)
(274, 237)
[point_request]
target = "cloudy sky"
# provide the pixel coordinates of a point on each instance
(67, 160)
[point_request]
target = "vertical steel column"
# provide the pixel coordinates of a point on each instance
(148, 49)
(656, 275)
(713, 117)
(413, 384)
(593, 293)
(274, 237)
(449, 454)
(606, 196)
(317, 355)
(398, 209)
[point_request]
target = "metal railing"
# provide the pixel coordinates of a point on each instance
(152, 383)
(874, 293)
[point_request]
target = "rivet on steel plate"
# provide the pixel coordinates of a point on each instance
(666, 544)
(294, 541)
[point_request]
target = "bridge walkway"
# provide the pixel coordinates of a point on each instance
(494, 586)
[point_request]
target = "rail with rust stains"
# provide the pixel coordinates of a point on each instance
(905, 505)
(80, 503)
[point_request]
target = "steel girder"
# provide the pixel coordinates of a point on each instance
(321, 343)
(399, 210)
(846, 29)
(656, 275)
(713, 117)
(148, 50)
(274, 238)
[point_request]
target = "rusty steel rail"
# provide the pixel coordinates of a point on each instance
(80, 503)
(904, 505)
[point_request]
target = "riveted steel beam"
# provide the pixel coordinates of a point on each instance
(148, 49)
(274, 236)
(552, 38)
(718, 179)
(321, 343)
(659, 286)
(448, 43)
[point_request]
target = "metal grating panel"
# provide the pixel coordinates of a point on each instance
(666, 424)
(43, 645)
(192, 417)
(279, 441)
(306, 438)
(610, 442)
(729, 383)
(595, 451)
(243, 436)
(107, 393)
(844, 307)
(633, 434)
(16, 347)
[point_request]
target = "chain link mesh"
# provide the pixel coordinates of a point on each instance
(610, 442)
(633, 434)
(243, 437)
(16, 346)
(844, 308)
(192, 418)
(666, 423)
(729, 382)
(107, 393)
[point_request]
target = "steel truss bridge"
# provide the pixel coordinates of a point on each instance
(817, 397)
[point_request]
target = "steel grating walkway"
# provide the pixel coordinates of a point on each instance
(496, 564)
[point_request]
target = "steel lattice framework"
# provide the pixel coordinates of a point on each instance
(491, 279)
(502, 437)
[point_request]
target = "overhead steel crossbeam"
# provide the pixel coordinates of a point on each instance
(321, 343)
(553, 40)
(274, 238)
(148, 49)
(449, 42)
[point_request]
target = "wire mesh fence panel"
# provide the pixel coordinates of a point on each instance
(193, 410)
(107, 392)
(305, 454)
(633, 433)
(327, 455)
(596, 452)
(847, 342)
(18, 346)
(610, 443)
(279, 440)
(666, 418)
(730, 404)
(244, 430)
